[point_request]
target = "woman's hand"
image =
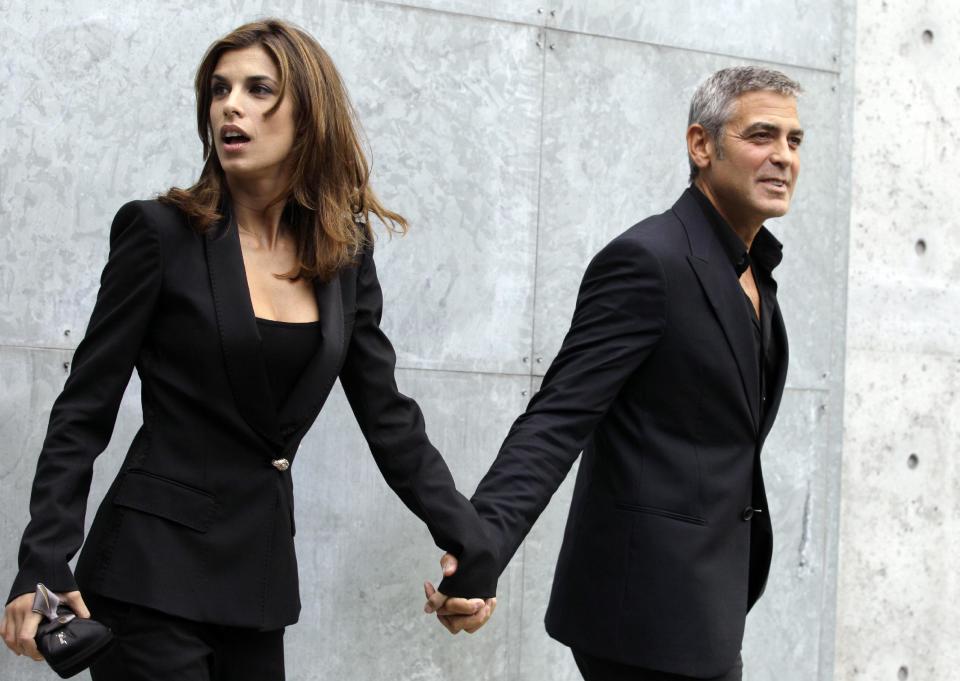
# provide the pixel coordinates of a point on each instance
(20, 623)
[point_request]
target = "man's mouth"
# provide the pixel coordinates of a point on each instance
(775, 183)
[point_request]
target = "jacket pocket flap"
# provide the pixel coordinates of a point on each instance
(662, 512)
(167, 499)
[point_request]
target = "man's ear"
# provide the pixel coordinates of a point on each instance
(700, 146)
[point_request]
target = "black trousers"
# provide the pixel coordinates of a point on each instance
(153, 646)
(598, 669)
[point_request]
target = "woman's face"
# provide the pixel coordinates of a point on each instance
(250, 145)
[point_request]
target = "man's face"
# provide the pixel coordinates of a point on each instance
(754, 177)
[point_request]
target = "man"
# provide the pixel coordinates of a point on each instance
(669, 380)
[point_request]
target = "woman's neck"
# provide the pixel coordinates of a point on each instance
(257, 210)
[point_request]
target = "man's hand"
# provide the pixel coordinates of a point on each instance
(20, 623)
(457, 614)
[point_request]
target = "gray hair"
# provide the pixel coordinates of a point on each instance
(712, 103)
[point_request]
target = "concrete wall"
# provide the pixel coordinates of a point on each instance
(518, 137)
(900, 537)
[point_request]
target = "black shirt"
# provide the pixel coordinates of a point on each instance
(764, 255)
(287, 348)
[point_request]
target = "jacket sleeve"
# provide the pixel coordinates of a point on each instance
(619, 318)
(83, 416)
(394, 428)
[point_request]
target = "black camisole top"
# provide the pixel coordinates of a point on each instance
(287, 348)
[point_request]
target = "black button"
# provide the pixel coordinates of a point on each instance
(747, 513)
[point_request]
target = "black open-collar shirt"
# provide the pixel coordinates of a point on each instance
(764, 255)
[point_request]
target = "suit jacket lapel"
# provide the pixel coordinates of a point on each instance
(779, 378)
(239, 338)
(721, 288)
(317, 379)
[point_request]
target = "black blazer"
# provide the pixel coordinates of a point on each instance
(199, 521)
(657, 383)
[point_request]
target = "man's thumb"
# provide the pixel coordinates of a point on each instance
(448, 564)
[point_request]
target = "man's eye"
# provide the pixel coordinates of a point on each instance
(796, 141)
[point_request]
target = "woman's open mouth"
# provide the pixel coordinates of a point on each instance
(233, 140)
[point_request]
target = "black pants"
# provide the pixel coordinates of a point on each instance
(598, 669)
(153, 646)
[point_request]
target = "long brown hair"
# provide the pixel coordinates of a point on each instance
(328, 198)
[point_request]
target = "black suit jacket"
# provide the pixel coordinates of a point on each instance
(198, 522)
(657, 383)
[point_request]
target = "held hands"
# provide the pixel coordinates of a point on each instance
(457, 614)
(20, 623)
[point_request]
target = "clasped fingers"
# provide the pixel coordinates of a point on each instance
(458, 614)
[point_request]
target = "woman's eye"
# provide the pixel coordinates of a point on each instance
(218, 89)
(261, 90)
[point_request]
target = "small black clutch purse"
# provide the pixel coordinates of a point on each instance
(68, 644)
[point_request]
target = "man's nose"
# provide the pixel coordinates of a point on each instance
(782, 154)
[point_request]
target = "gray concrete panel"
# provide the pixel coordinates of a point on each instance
(614, 152)
(812, 276)
(455, 149)
(786, 32)
(363, 557)
(887, 294)
(520, 11)
(899, 547)
(904, 241)
(783, 632)
(899, 540)
(101, 113)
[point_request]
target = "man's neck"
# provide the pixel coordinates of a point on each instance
(747, 230)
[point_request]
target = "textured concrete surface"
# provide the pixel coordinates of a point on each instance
(784, 629)
(611, 159)
(517, 142)
(900, 533)
(452, 108)
(360, 595)
(805, 33)
(520, 11)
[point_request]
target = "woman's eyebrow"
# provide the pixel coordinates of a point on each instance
(217, 78)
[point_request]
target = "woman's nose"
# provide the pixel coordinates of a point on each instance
(231, 106)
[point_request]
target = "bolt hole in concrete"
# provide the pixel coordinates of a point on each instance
(903, 673)
(912, 461)
(921, 246)
(928, 36)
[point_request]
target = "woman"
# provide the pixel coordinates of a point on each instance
(239, 300)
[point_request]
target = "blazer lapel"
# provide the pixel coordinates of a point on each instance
(246, 368)
(779, 378)
(317, 379)
(721, 288)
